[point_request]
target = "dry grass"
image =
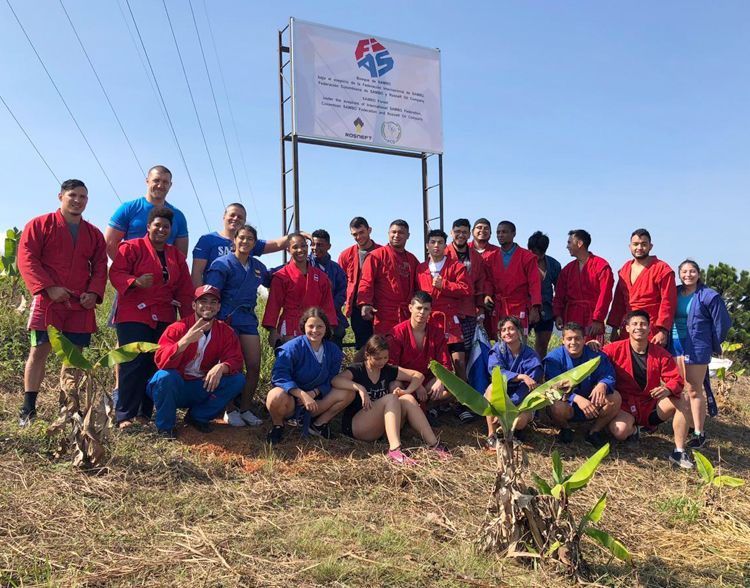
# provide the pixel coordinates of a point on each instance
(222, 510)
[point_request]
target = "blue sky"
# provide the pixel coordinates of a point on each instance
(606, 116)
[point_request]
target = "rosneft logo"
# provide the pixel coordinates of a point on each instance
(374, 57)
(358, 125)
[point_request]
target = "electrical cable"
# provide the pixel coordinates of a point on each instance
(20, 126)
(166, 111)
(70, 112)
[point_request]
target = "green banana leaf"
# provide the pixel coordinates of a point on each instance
(66, 351)
(705, 469)
(534, 401)
(576, 375)
(582, 475)
(501, 402)
(125, 353)
(595, 514)
(464, 393)
(543, 486)
(613, 545)
(557, 468)
(721, 481)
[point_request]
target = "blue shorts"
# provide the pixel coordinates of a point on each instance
(543, 326)
(675, 347)
(579, 416)
(245, 329)
(79, 339)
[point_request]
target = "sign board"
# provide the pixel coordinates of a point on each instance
(356, 88)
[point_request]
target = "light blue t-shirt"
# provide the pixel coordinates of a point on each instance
(679, 326)
(132, 218)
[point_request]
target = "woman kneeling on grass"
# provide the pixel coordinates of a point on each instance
(520, 364)
(302, 377)
(381, 405)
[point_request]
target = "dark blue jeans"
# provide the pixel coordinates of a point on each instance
(132, 399)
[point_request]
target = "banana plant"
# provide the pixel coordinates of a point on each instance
(500, 405)
(707, 472)
(85, 402)
(567, 485)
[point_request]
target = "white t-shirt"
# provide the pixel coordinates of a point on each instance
(435, 268)
(193, 368)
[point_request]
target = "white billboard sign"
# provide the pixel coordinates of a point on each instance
(356, 88)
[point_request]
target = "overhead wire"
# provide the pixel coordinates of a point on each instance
(195, 108)
(216, 104)
(20, 126)
(70, 112)
(231, 114)
(101, 85)
(166, 111)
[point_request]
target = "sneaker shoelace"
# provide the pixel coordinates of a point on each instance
(399, 457)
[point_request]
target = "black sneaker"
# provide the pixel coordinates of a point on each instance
(681, 459)
(697, 441)
(432, 417)
(634, 440)
(491, 443)
(322, 431)
(198, 426)
(465, 416)
(595, 438)
(26, 418)
(275, 434)
(168, 434)
(565, 436)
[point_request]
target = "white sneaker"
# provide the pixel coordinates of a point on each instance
(250, 418)
(234, 419)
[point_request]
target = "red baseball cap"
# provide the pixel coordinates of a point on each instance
(207, 290)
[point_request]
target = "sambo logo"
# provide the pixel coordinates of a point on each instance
(373, 57)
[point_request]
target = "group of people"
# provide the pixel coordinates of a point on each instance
(403, 313)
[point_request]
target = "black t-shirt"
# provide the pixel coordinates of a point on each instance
(464, 257)
(640, 367)
(164, 271)
(375, 390)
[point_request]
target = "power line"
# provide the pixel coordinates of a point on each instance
(63, 100)
(231, 114)
(20, 126)
(195, 108)
(101, 85)
(166, 111)
(145, 69)
(216, 105)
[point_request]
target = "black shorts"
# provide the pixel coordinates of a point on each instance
(543, 326)
(456, 348)
(653, 419)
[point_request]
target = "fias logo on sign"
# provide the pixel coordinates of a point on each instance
(374, 57)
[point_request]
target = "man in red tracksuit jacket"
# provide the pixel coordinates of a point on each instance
(387, 282)
(647, 378)
(63, 260)
(200, 367)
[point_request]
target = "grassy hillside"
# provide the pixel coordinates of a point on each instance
(222, 510)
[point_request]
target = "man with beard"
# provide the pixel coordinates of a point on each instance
(200, 363)
(387, 282)
(646, 283)
(352, 260)
(63, 260)
(460, 250)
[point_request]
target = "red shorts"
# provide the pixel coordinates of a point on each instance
(43, 312)
(641, 408)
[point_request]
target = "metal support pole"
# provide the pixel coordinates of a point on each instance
(425, 202)
(295, 174)
(440, 181)
(281, 140)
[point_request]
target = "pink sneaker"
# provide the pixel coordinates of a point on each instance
(442, 452)
(399, 457)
